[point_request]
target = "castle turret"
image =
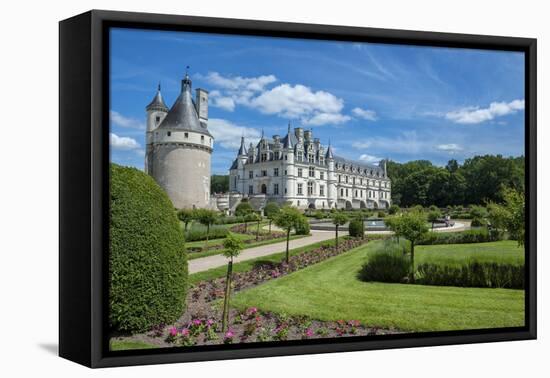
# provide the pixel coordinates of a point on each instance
(156, 111)
(288, 165)
(181, 151)
(331, 182)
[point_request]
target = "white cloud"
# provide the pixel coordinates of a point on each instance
(118, 119)
(361, 145)
(285, 100)
(370, 159)
(475, 114)
(255, 84)
(228, 134)
(123, 143)
(326, 118)
(369, 115)
(450, 148)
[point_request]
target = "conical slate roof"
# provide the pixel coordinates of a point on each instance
(183, 114)
(242, 149)
(157, 103)
(329, 154)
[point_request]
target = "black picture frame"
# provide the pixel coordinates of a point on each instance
(84, 192)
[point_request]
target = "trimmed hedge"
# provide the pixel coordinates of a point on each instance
(147, 259)
(464, 237)
(198, 232)
(472, 274)
(387, 263)
(357, 228)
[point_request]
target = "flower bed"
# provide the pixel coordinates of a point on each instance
(201, 323)
(240, 230)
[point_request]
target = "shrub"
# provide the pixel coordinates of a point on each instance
(478, 222)
(198, 232)
(394, 209)
(469, 236)
(229, 220)
(243, 209)
(472, 274)
(319, 215)
(147, 259)
(357, 228)
(302, 227)
(386, 263)
(381, 214)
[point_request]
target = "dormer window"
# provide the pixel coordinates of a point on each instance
(186, 135)
(157, 120)
(169, 133)
(202, 139)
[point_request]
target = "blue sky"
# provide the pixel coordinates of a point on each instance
(371, 100)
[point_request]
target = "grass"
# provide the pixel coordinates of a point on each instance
(128, 345)
(196, 255)
(331, 290)
(506, 252)
(247, 265)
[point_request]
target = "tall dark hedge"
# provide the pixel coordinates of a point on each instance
(357, 228)
(147, 259)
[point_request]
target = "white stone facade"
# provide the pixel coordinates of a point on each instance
(298, 170)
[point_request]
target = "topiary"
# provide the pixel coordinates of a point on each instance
(357, 228)
(147, 259)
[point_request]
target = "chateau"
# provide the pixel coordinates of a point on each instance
(179, 146)
(298, 170)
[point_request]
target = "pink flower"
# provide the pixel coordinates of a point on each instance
(209, 322)
(309, 332)
(173, 331)
(229, 334)
(185, 332)
(197, 322)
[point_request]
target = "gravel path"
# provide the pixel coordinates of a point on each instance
(210, 262)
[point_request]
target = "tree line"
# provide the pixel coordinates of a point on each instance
(478, 180)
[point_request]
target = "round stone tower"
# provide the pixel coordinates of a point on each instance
(181, 149)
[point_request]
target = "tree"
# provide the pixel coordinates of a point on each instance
(271, 210)
(510, 216)
(433, 216)
(186, 216)
(338, 219)
(219, 184)
(255, 217)
(207, 218)
(232, 248)
(411, 226)
(394, 209)
(287, 219)
(242, 210)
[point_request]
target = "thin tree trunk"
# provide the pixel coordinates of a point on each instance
(245, 227)
(207, 234)
(337, 237)
(287, 242)
(270, 226)
(186, 223)
(412, 263)
(225, 316)
(258, 231)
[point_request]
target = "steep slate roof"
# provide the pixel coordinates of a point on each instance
(183, 114)
(157, 103)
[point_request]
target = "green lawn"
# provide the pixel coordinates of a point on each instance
(247, 265)
(506, 251)
(331, 290)
(128, 345)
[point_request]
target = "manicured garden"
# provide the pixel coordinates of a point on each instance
(331, 290)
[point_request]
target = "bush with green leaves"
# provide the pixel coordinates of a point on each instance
(147, 258)
(302, 226)
(198, 232)
(472, 274)
(394, 209)
(319, 214)
(386, 263)
(481, 235)
(381, 214)
(357, 227)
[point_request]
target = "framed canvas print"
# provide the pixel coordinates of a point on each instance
(233, 188)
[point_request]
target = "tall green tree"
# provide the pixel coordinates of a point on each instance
(271, 210)
(338, 219)
(510, 215)
(219, 184)
(288, 219)
(232, 248)
(207, 218)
